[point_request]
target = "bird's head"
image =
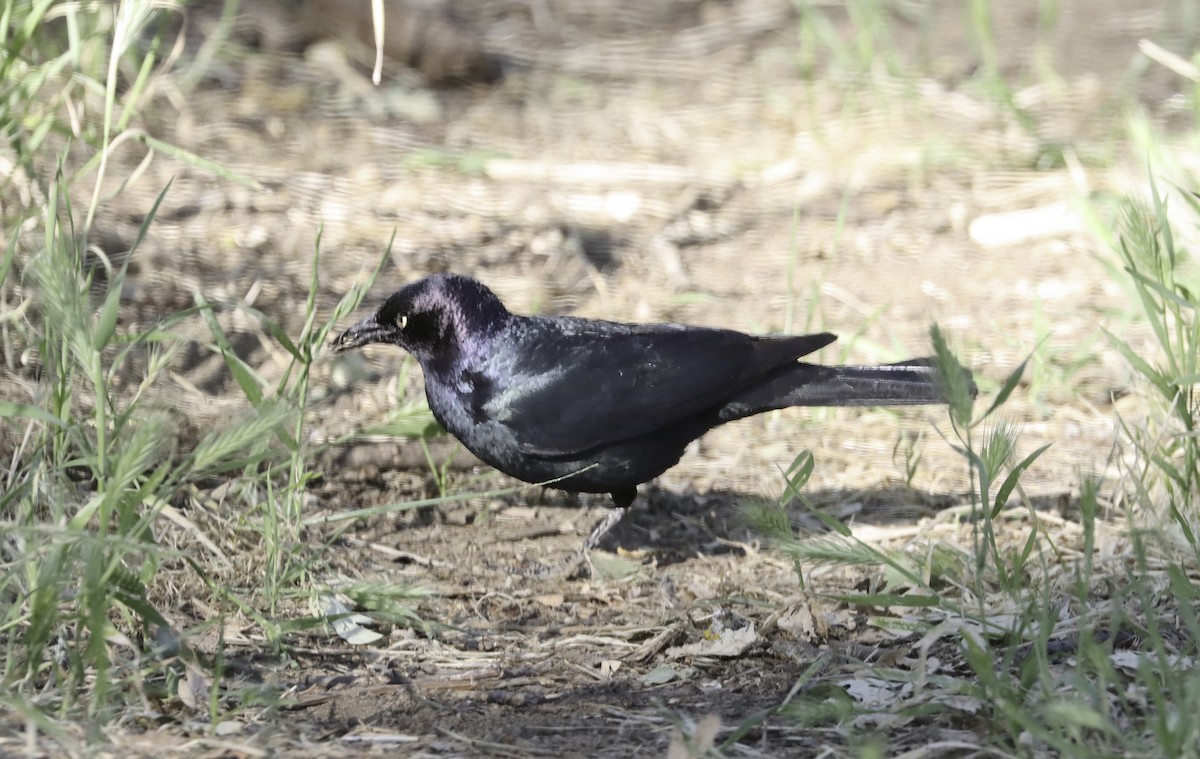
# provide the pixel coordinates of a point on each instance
(433, 319)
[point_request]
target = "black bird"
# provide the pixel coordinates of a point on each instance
(598, 406)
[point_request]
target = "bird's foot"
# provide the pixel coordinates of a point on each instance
(563, 570)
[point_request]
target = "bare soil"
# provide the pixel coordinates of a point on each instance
(700, 162)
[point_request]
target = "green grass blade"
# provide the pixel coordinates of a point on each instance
(198, 162)
(1014, 478)
(1010, 384)
(9, 409)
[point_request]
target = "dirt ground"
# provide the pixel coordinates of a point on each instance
(700, 162)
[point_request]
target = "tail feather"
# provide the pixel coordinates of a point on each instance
(908, 383)
(889, 385)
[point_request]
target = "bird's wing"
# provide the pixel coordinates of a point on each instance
(576, 387)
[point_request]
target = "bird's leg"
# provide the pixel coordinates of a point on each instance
(621, 503)
(600, 530)
(622, 500)
(584, 554)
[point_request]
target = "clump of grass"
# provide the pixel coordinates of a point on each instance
(93, 456)
(1166, 281)
(1161, 486)
(1057, 653)
(89, 472)
(95, 469)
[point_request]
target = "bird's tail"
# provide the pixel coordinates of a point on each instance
(908, 383)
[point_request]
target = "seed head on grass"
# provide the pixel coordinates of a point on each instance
(956, 380)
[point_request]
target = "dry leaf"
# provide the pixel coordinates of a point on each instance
(728, 643)
(698, 742)
(193, 689)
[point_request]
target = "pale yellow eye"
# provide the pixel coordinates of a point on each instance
(401, 321)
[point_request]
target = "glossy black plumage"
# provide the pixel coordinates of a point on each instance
(599, 406)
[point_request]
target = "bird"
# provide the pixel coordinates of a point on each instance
(594, 406)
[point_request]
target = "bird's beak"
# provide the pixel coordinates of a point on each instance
(366, 331)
